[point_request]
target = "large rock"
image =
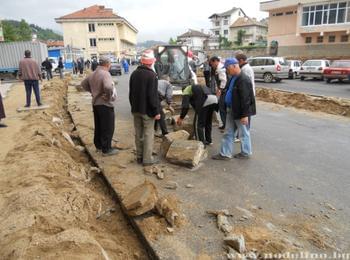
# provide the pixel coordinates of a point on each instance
(187, 125)
(237, 242)
(141, 199)
(186, 152)
(167, 207)
(170, 138)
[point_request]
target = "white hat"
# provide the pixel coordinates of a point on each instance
(147, 57)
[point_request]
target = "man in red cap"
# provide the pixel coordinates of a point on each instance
(145, 107)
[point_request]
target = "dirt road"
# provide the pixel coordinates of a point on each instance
(52, 206)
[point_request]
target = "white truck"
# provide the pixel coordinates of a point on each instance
(12, 52)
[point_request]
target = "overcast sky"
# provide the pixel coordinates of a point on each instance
(155, 19)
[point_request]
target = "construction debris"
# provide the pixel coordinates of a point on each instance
(186, 152)
(222, 221)
(170, 138)
(68, 138)
(171, 185)
(141, 199)
(237, 242)
(167, 207)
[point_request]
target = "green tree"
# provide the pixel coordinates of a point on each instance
(25, 33)
(9, 31)
(172, 41)
(240, 36)
(224, 43)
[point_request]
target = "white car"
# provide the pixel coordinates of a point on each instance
(313, 69)
(294, 68)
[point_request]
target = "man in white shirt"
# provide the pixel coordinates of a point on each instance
(246, 68)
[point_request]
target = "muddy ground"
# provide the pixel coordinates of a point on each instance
(51, 206)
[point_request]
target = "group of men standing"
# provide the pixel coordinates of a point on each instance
(228, 88)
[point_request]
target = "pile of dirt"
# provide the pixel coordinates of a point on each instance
(335, 106)
(50, 206)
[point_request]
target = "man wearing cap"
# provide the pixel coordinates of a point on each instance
(240, 102)
(145, 107)
(101, 86)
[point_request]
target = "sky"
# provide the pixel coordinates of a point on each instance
(154, 19)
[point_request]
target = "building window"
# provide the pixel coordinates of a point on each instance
(217, 33)
(319, 39)
(105, 39)
(93, 42)
(344, 38)
(278, 14)
(336, 13)
(226, 32)
(289, 13)
(105, 24)
(331, 38)
(308, 40)
(217, 23)
(225, 22)
(91, 27)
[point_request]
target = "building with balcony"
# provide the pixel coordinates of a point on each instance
(98, 31)
(309, 28)
(254, 32)
(221, 22)
(193, 39)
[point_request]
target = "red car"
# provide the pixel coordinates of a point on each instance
(339, 69)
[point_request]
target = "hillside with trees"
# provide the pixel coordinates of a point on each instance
(22, 31)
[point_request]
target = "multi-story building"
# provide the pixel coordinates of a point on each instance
(193, 39)
(254, 32)
(309, 28)
(98, 31)
(221, 21)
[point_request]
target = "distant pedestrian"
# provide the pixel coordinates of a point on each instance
(48, 68)
(240, 102)
(217, 85)
(145, 107)
(75, 67)
(206, 71)
(60, 67)
(165, 93)
(29, 72)
(101, 86)
(94, 64)
(2, 112)
(204, 104)
(80, 62)
(87, 64)
(125, 66)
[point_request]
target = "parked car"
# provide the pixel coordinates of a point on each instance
(313, 69)
(116, 69)
(54, 62)
(294, 68)
(269, 68)
(339, 69)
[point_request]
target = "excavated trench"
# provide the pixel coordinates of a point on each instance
(54, 202)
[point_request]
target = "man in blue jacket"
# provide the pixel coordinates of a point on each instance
(240, 102)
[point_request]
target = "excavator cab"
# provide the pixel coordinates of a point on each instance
(171, 60)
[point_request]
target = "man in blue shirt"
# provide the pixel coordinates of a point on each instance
(240, 103)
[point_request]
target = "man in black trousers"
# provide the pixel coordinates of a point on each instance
(101, 87)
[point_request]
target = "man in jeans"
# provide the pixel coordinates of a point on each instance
(101, 86)
(145, 107)
(240, 102)
(29, 72)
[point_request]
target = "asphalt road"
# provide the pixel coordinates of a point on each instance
(300, 163)
(315, 87)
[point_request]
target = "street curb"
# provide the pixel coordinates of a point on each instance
(116, 196)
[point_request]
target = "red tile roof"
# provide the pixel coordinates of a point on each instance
(246, 21)
(55, 44)
(95, 11)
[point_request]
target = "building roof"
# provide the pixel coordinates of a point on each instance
(229, 12)
(55, 44)
(193, 33)
(246, 21)
(95, 11)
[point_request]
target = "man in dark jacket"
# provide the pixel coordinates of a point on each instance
(145, 107)
(60, 67)
(2, 112)
(240, 101)
(204, 104)
(48, 67)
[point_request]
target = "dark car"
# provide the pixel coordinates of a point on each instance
(339, 69)
(116, 69)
